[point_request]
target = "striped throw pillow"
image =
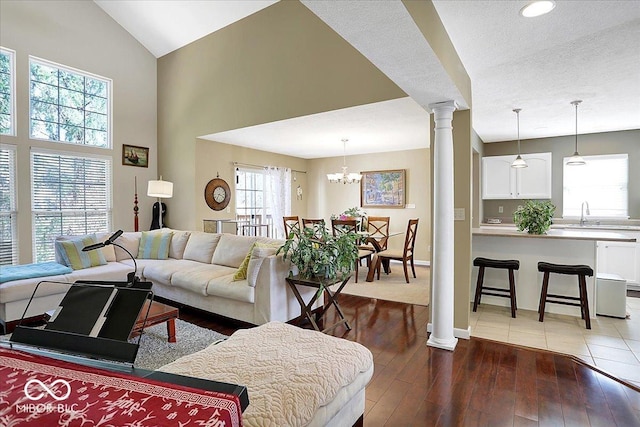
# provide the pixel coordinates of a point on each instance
(154, 245)
(72, 255)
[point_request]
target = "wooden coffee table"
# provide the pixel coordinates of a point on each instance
(158, 313)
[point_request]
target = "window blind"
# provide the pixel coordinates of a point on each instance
(8, 212)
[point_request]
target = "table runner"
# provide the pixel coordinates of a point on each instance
(39, 390)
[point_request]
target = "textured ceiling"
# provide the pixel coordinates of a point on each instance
(587, 50)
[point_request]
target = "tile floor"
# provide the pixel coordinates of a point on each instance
(612, 345)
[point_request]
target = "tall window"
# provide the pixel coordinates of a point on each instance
(70, 194)
(602, 183)
(69, 105)
(252, 204)
(8, 212)
(7, 91)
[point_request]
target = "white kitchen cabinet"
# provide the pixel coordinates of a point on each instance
(619, 258)
(501, 181)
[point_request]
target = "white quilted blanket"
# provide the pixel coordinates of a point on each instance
(289, 372)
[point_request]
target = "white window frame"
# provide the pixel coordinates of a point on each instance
(8, 172)
(12, 87)
(252, 213)
(613, 208)
(41, 241)
(109, 100)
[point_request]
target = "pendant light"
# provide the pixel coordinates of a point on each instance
(344, 177)
(519, 161)
(576, 159)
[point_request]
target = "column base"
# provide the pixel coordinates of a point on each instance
(443, 344)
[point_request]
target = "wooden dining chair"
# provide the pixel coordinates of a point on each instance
(315, 223)
(378, 228)
(343, 226)
(291, 223)
(406, 255)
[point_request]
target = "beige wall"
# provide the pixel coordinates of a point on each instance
(325, 198)
(82, 36)
(278, 63)
(213, 158)
(560, 147)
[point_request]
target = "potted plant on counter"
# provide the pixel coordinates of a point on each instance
(319, 255)
(534, 216)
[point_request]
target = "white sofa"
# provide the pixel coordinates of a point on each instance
(198, 272)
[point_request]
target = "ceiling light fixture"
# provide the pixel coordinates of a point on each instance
(576, 159)
(537, 8)
(519, 161)
(344, 177)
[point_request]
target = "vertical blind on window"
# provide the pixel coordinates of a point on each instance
(602, 182)
(70, 195)
(8, 213)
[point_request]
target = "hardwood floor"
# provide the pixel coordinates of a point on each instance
(481, 383)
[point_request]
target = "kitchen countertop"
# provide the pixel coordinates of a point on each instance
(503, 230)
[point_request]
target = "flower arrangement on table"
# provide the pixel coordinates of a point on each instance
(353, 213)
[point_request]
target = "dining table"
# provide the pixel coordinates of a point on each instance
(375, 240)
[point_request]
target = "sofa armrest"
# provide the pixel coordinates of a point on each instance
(274, 300)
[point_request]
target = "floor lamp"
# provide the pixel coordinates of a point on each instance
(162, 190)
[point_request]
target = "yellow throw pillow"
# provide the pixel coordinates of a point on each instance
(241, 274)
(71, 252)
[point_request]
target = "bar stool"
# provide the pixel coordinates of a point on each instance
(578, 270)
(510, 264)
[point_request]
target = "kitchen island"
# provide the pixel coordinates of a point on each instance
(558, 246)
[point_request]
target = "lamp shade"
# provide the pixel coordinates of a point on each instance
(160, 188)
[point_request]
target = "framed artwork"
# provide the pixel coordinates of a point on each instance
(383, 189)
(135, 156)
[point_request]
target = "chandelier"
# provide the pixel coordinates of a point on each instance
(344, 177)
(576, 159)
(519, 161)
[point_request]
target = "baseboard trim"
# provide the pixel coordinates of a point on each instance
(415, 261)
(465, 334)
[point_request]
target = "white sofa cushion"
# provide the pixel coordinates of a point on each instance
(232, 250)
(255, 262)
(200, 246)
(226, 287)
(109, 250)
(18, 290)
(130, 240)
(111, 271)
(178, 243)
(197, 279)
(161, 271)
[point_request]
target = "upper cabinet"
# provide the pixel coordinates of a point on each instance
(501, 181)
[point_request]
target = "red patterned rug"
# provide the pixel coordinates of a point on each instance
(41, 391)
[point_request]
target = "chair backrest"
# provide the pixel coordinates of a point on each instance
(309, 222)
(343, 226)
(410, 238)
(379, 227)
(291, 223)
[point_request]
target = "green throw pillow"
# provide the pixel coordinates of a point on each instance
(154, 245)
(72, 255)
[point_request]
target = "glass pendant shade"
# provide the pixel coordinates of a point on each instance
(344, 177)
(576, 159)
(519, 161)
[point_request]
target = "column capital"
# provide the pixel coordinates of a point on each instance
(450, 105)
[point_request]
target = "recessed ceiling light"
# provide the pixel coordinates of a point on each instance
(537, 8)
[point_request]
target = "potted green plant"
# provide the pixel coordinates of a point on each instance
(534, 216)
(320, 255)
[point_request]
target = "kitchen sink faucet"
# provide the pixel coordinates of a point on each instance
(583, 220)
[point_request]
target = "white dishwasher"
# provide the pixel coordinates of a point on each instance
(611, 295)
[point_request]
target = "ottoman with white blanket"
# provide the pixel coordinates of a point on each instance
(294, 376)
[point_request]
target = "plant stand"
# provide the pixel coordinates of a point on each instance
(305, 308)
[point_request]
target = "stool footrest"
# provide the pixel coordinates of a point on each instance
(496, 295)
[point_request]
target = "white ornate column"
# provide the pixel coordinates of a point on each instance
(442, 267)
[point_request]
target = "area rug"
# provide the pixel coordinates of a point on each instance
(393, 287)
(156, 351)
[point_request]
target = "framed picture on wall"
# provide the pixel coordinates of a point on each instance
(383, 189)
(135, 156)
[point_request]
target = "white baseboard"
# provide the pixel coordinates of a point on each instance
(465, 334)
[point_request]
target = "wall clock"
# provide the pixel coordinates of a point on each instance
(217, 194)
